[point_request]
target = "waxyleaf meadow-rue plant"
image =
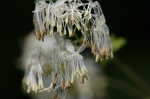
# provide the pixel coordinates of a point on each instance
(52, 56)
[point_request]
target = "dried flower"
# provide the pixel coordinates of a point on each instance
(68, 16)
(56, 56)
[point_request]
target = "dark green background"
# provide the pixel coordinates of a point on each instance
(126, 18)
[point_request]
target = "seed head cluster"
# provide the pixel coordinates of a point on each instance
(51, 54)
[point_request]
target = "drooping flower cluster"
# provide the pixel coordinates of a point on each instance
(68, 17)
(52, 55)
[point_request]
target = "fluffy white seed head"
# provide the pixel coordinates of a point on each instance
(54, 57)
(69, 17)
(52, 63)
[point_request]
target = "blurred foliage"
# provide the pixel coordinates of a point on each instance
(124, 81)
(117, 42)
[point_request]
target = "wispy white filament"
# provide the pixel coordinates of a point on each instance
(53, 64)
(54, 57)
(68, 16)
